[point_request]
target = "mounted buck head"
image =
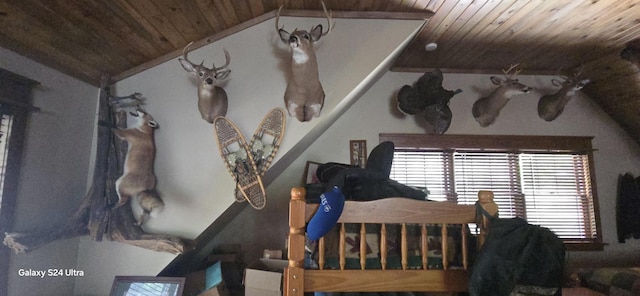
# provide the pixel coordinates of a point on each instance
(212, 99)
(486, 110)
(551, 106)
(631, 52)
(304, 96)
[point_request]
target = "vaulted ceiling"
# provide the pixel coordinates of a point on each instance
(92, 39)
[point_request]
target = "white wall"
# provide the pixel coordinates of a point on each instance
(615, 152)
(192, 178)
(375, 112)
(54, 172)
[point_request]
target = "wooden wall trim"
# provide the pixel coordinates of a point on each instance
(17, 79)
(491, 142)
(265, 17)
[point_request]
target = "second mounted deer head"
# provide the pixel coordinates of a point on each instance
(212, 99)
(486, 110)
(551, 106)
(304, 96)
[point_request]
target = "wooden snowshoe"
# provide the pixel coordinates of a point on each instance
(265, 142)
(239, 161)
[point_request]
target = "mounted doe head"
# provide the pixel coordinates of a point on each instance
(551, 106)
(304, 96)
(212, 99)
(486, 110)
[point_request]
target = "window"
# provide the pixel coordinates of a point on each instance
(5, 136)
(546, 180)
(15, 94)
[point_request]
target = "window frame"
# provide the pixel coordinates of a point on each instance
(512, 143)
(15, 96)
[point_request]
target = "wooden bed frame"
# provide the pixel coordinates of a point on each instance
(402, 211)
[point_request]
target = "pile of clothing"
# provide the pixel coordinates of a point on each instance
(362, 184)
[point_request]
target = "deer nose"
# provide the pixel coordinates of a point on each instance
(209, 81)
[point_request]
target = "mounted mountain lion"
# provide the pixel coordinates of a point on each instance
(138, 179)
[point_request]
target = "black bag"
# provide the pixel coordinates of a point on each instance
(369, 183)
(361, 183)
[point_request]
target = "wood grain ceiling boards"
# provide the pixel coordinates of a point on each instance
(89, 39)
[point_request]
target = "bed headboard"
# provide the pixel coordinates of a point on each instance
(384, 211)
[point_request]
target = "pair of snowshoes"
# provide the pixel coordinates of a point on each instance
(248, 162)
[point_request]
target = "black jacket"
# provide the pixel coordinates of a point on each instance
(517, 253)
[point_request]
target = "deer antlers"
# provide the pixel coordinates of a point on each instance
(510, 76)
(212, 100)
(220, 72)
(576, 74)
(485, 110)
(326, 13)
(550, 106)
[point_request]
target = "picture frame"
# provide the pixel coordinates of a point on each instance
(147, 285)
(358, 152)
(310, 176)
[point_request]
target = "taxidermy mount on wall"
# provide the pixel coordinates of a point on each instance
(486, 110)
(304, 96)
(551, 106)
(138, 179)
(212, 99)
(428, 99)
(95, 215)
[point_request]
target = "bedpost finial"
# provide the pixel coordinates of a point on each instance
(485, 196)
(486, 210)
(485, 200)
(298, 193)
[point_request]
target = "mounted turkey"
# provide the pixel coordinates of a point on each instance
(429, 100)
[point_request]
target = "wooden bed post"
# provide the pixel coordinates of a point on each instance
(485, 200)
(294, 273)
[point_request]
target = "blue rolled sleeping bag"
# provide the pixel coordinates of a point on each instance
(329, 211)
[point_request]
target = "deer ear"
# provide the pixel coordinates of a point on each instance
(223, 74)
(284, 35)
(316, 33)
(556, 82)
(186, 65)
(496, 80)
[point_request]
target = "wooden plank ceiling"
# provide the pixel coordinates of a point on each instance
(90, 39)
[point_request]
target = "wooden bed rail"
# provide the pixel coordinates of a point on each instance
(401, 211)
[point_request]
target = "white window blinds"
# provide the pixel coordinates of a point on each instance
(558, 194)
(548, 189)
(425, 170)
(497, 172)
